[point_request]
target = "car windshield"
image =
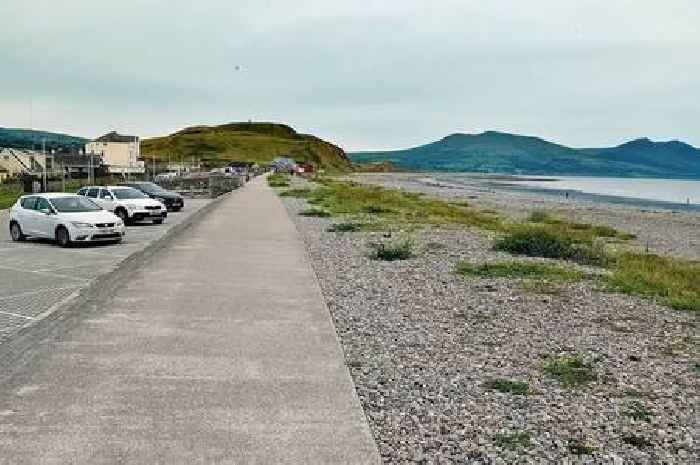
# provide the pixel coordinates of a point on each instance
(150, 187)
(74, 204)
(128, 193)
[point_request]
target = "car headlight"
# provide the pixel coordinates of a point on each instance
(78, 224)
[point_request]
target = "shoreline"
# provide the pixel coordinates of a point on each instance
(424, 345)
(663, 231)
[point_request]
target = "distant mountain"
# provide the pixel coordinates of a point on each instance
(260, 142)
(32, 139)
(499, 152)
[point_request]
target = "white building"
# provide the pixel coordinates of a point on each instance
(120, 153)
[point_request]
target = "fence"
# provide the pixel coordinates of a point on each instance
(203, 184)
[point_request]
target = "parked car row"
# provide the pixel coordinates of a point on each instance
(94, 214)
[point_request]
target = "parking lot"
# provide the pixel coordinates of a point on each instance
(37, 276)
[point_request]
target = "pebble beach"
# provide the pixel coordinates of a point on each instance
(424, 344)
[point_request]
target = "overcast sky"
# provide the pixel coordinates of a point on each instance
(363, 74)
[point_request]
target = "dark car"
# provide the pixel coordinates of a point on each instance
(173, 201)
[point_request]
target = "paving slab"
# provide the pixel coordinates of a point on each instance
(217, 350)
(31, 271)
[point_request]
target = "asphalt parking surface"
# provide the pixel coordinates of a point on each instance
(36, 276)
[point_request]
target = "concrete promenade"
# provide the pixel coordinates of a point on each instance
(217, 350)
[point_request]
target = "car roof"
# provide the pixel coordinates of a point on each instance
(50, 195)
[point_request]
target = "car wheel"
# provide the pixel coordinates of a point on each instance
(16, 232)
(62, 237)
(123, 215)
(158, 221)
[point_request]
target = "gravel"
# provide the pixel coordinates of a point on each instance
(421, 343)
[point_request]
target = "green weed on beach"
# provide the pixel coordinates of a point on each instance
(393, 205)
(519, 270)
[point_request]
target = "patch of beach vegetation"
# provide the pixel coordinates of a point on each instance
(570, 370)
(393, 205)
(317, 212)
(398, 250)
(513, 441)
(519, 270)
(673, 281)
(347, 227)
(278, 180)
(508, 386)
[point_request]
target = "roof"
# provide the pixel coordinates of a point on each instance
(52, 195)
(114, 136)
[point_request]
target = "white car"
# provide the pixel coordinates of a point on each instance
(127, 203)
(67, 218)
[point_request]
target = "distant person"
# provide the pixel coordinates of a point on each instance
(567, 196)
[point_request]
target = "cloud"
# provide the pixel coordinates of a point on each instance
(374, 74)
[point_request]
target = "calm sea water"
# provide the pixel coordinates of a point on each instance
(672, 191)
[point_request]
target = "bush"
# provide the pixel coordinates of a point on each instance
(402, 250)
(541, 241)
(570, 370)
(315, 212)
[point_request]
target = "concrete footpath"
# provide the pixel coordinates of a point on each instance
(218, 350)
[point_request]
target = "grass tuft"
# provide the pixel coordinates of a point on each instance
(638, 411)
(402, 250)
(674, 281)
(346, 227)
(316, 212)
(578, 447)
(519, 270)
(513, 441)
(278, 180)
(507, 386)
(298, 193)
(542, 241)
(570, 370)
(639, 442)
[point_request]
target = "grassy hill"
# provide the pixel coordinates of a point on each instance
(259, 142)
(32, 139)
(498, 152)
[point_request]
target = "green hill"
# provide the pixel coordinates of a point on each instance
(32, 139)
(498, 152)
(258, 142)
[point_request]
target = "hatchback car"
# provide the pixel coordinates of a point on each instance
(67, 218)
(127, 203)
(172, 200)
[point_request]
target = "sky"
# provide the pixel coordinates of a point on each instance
(366, 75)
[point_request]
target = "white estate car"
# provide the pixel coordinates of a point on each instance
(127, 203)
(67, 218)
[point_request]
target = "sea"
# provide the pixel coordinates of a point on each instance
(674, 194)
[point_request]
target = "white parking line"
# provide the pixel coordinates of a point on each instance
(55, 275)
(17, 315)
(38, 291)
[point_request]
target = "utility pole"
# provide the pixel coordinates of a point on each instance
(43, 150)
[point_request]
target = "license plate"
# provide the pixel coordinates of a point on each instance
(108, 231)
(155, 213)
